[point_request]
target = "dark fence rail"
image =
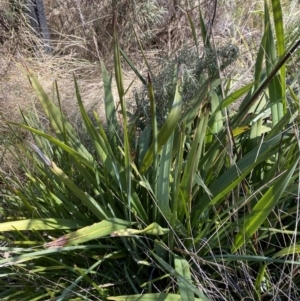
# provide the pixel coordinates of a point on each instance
(37, 16)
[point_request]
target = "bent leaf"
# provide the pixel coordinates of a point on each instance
(153, 229)
(149, 297)
(85, 234)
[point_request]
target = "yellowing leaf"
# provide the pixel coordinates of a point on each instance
(149, 297)
(94, 231)
(153, 229)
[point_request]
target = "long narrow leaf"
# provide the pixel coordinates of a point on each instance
(183, 280)
(42, 224)
(167, 128)
(183, 268)
(120, 86)
(279, 31)
(97, 230)
(237, 173)
(163, 181)
(86, 199)
(263, 208)
(110, 109)
(193, 158)
(59, 125)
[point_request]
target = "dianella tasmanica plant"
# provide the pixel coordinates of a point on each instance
(200, 207)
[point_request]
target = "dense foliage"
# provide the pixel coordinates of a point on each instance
(201, 207)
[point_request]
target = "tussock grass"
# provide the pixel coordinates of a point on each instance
(203, 206)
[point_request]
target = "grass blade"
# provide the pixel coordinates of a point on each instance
(59, 125)
(183, 268)
(120, 86)
(172, 271)
(42, 224)
(233, 176)
(167, 129)
(279, 31)
(263, 208)
(110, 109)
(87, 200)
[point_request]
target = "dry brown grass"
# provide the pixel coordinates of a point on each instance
(18, 95)
(75, 25)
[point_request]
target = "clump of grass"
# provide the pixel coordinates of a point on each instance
(202, 208)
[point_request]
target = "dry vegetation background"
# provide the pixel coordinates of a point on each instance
(81, 38)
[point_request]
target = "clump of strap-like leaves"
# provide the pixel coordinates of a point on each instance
(204, 208)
